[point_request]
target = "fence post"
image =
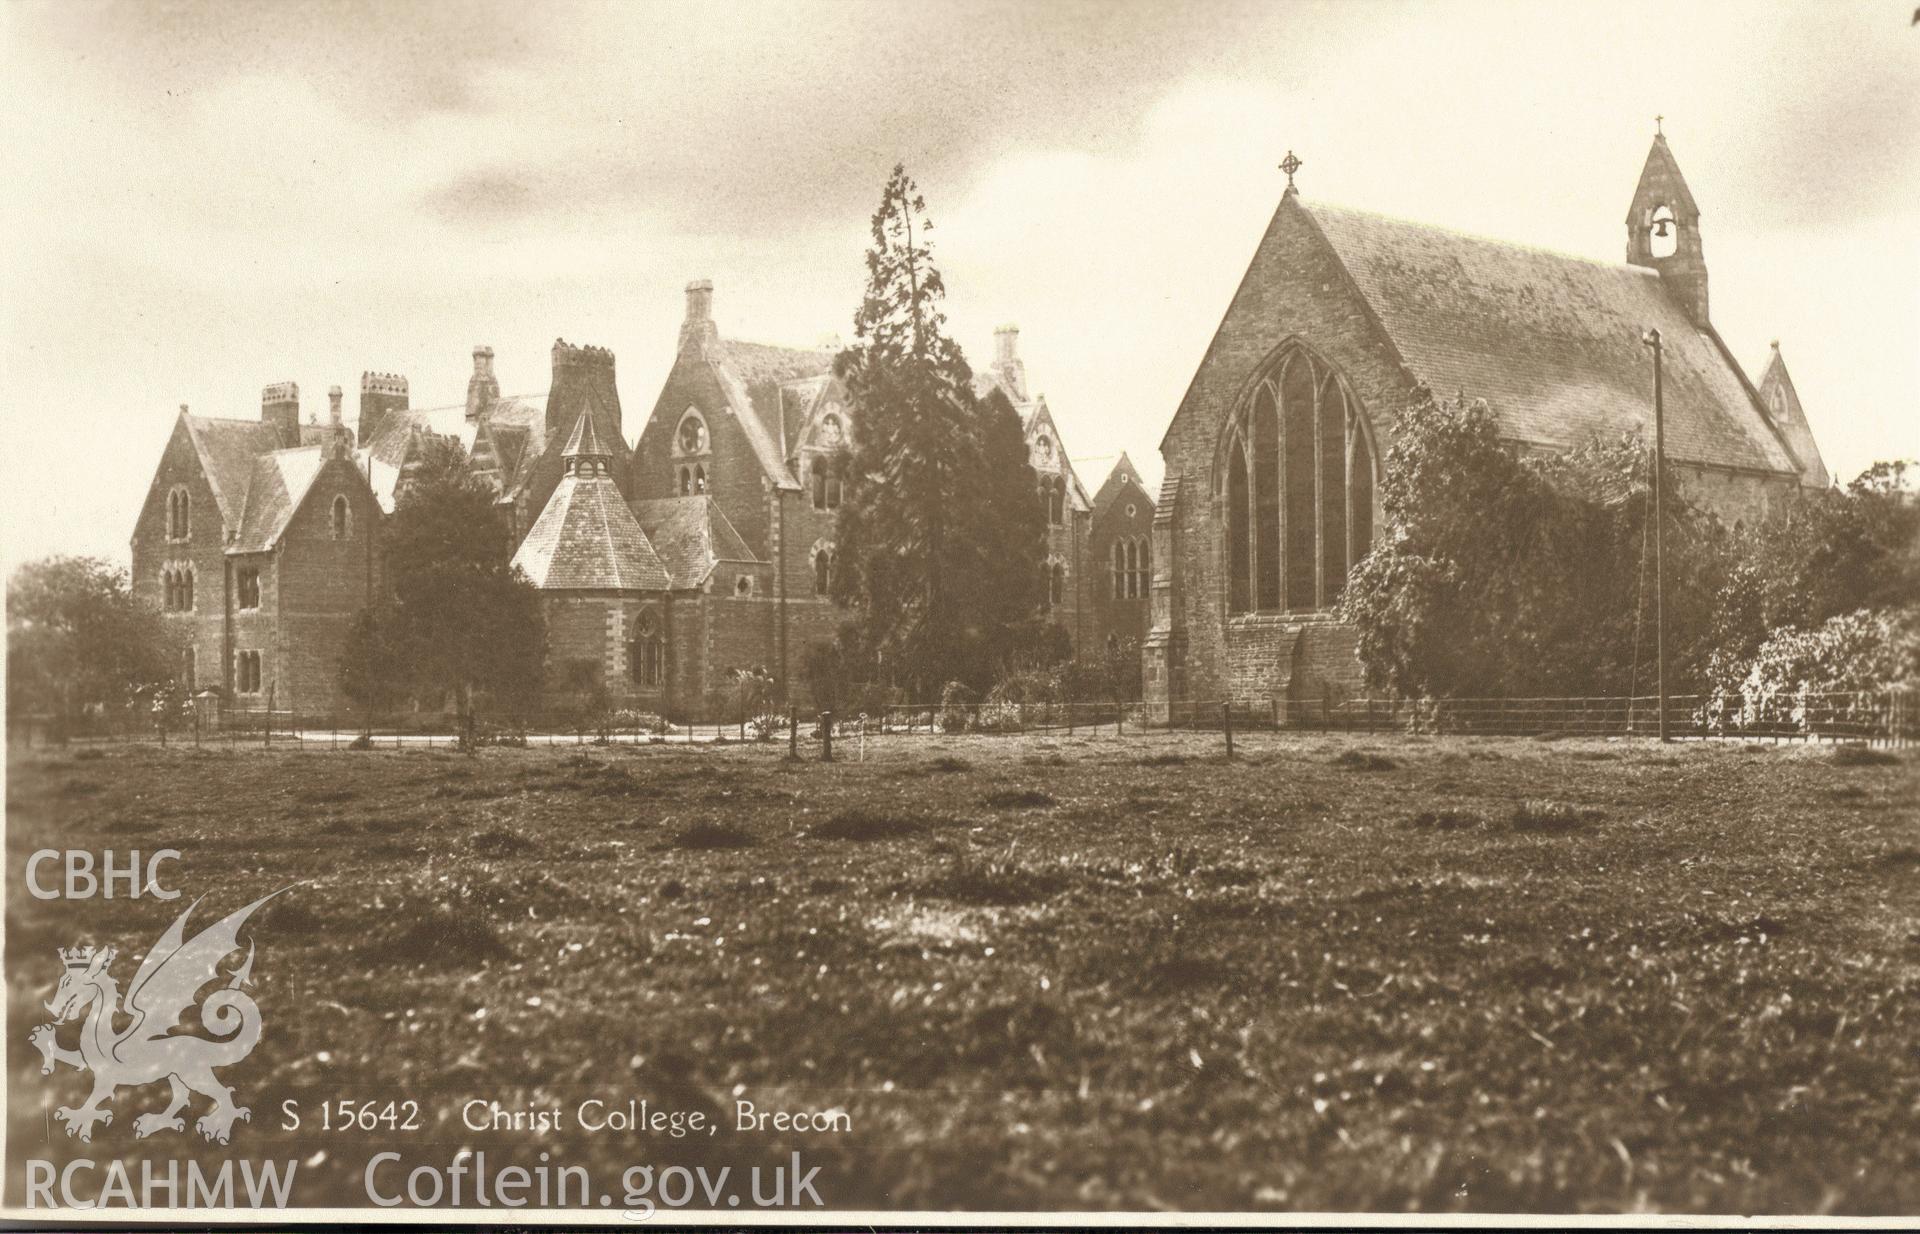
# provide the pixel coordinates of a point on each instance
(1226, 722)
(826, 736)
(793, 734)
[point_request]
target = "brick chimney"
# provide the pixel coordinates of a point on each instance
(381, 394)
(483, 389)
(280, 412)
(698, 328)
(1006, 361)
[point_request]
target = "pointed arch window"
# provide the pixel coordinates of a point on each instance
(1056, 583)
(647, 654)
(341, 519)
(823, 570)
(1298, 488)
(179, 513)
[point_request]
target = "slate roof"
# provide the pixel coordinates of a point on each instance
(753, 374)
(587, 540)
(691, 535)
(1552, 342)
(227, 449)
(518, 423)
(278, 483)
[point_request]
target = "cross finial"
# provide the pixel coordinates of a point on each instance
(1657, 131)
(1290, 164)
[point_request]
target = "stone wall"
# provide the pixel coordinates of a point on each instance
(1294, 288)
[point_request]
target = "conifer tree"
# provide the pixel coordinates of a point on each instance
(929, 543)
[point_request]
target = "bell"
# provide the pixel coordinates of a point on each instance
(1660, 227)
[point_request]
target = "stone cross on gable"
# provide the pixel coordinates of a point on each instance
(1291, 164)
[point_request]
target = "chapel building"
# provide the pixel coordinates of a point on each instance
(1274, 457)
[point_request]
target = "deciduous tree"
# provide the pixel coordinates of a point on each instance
(76, 635)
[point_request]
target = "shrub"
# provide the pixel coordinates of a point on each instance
(629, 720)
(1364, 760)
(1787, 681)
(1001, 717)
(956, 708)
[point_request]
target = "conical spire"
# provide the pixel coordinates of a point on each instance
(583, 454)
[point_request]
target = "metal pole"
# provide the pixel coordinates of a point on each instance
(1652, 339)
(826, 736)
(1226, 722)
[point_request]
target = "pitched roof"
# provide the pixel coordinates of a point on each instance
(692, 535)
(1552, 342)
(1782, 404)
(753, 374)
(587, 540)
(1122, 479)
(227, 449)
(583, 441)
(519, 414)
(276, 485)
(1035, 418)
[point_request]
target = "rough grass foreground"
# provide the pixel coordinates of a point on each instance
(1049, 973)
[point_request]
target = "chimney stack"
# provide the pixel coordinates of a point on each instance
(381, 394)
(280, 412)
(698, 328)
(1006, 361)
(483, 389)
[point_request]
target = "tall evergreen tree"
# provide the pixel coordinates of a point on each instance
(939, 535)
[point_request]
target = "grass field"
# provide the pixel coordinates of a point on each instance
(1477, 975)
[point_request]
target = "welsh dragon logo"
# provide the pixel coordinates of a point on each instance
(148, 1049)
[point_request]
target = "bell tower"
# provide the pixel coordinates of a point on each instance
(1663, 231)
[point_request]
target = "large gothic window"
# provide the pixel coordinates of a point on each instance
(1298, 488)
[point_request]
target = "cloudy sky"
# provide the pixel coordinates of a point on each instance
(203, 198)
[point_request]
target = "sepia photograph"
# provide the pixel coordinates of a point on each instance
(967, 613)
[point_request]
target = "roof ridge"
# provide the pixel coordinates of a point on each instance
(1478, 237)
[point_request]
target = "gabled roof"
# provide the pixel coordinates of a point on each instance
(587, 540)
(521, 415)
(753, 376)
(1035, 419)
(227, 449)
(278, 483)
(692, 535)
(1552, 342)
(1121, 480)
(1782, 404)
